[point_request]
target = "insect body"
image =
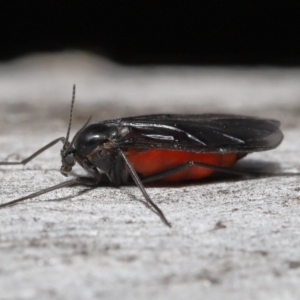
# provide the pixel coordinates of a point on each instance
(159, 148)
(156, 144)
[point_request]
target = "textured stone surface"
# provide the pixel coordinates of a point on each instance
(231, 239)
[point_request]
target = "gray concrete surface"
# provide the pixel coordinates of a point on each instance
(231, 239)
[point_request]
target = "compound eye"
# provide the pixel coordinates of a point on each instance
(69, 160)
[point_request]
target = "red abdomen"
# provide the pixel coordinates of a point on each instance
(152, 161)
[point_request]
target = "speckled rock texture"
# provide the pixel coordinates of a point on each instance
(231, 238)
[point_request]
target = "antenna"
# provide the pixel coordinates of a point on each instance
(70, 120)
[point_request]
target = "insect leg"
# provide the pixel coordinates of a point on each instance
(78, 181)
(26, 160)
(186, 165)
(139, 183)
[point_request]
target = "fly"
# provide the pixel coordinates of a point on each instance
(162, 148)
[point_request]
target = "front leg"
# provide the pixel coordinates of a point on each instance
(77, 181)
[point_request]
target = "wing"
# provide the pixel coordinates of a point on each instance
(201, 133)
